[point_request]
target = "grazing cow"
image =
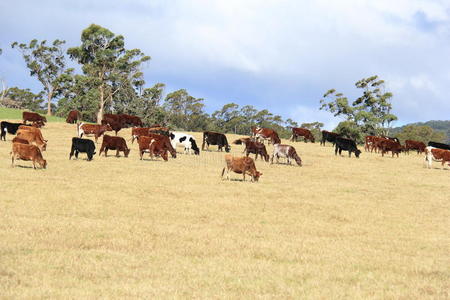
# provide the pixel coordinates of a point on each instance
(130, 120)
(32, 138)
(215, 138)
(73, 117)
(27, 152)
(329, 136)
(436, 154)
(95, 129)
(82, 146)
(7, 127)
(285, 151)
(346, 145)
(161, 147)
(439, 145)
(241, 165)
(266, 134)
(306, 133)
(187, 140)
(114, 143)
(37, 131)
(253, 147)
(19, 140)
(32, 117)
(387, 145)
(414, 145)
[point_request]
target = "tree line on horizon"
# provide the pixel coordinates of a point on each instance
(111, 81)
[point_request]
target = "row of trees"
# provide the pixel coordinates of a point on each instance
(111, 80)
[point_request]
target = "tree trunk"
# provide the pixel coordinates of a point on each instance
(101, 104)
(49, 103)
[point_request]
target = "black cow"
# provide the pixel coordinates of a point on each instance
(346, 145)
(328, 136)
(439, 145)
(83, 146)
(215, 138)
(11, 128)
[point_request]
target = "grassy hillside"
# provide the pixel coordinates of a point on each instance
(16, 114)
(338, 227)
(443, 126)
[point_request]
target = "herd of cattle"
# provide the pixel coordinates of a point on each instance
(158, 141)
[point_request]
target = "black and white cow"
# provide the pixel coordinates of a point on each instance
(439, 145)
(187, 140)
(215, 138)
(346, 145)
(7, 127)
(83, 146)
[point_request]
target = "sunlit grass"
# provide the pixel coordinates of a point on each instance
(338, 227)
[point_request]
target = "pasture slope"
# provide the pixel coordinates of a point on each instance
(119, 227)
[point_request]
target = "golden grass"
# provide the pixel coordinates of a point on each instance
(120, 227)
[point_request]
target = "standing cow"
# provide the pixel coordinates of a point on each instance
(114, 143)
(215, 138)
(187, 140)
(346, 145)
(305, 133)
(73, 117)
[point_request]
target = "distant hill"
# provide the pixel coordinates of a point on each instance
(443, 126)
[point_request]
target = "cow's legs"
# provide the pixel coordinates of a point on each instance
(76, 154)
(117, 153)
(12, 161)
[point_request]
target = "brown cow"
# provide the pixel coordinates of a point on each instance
(33, 117)
(27, 152)
(130, 120)
(414, 145)
(436, 154)
(158, 148)
(306, 133)
(136, 132)
(73, 117)
(387, 145)
(19, 140)
(32, 138)
(114, 143)
(241, 165)
(266, 134)
(253, 147)
(37, 131)
(95, 129)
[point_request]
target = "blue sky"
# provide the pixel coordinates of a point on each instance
(282, 55)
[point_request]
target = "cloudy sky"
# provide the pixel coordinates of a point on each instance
(282, 55)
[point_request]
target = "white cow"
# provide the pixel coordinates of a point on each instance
(187, 140)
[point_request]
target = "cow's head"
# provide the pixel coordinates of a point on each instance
(256, 175)
(43, 163)
(126, 152)
(357, 153)
(227, 148)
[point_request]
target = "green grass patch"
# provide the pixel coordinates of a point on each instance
(16, 114)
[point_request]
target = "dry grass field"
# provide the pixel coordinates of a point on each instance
(122, 228)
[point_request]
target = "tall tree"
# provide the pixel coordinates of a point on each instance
(183, 109)
(47, 63)
(109, 65)
(22, 99)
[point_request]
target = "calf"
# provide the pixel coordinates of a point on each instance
(436, 154)
(387, 145)
(7, 127)
(329, 136)
(82, 146)
(187, 140)
(92, 129)
(414, 145)
(114, 143)
(215, 138)
(346, 145)
(306, 133)
(241, 165)
(33, 117)
(32, 138)
(27, 152)
(285, 151)
(73, 117)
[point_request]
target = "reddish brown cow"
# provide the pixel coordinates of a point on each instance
(130, 120)
(266, 133)
(32, 138)
(73, 117)
(114, 143)
(437, 154)
(306, 133)
(253, 147)
(92, 129)
(390, 145)
(162, 146)
(19, 140)
(33, 117)
(241, 165)
(27, 152)
(37, 131)
(414, 145)
(136, 132)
